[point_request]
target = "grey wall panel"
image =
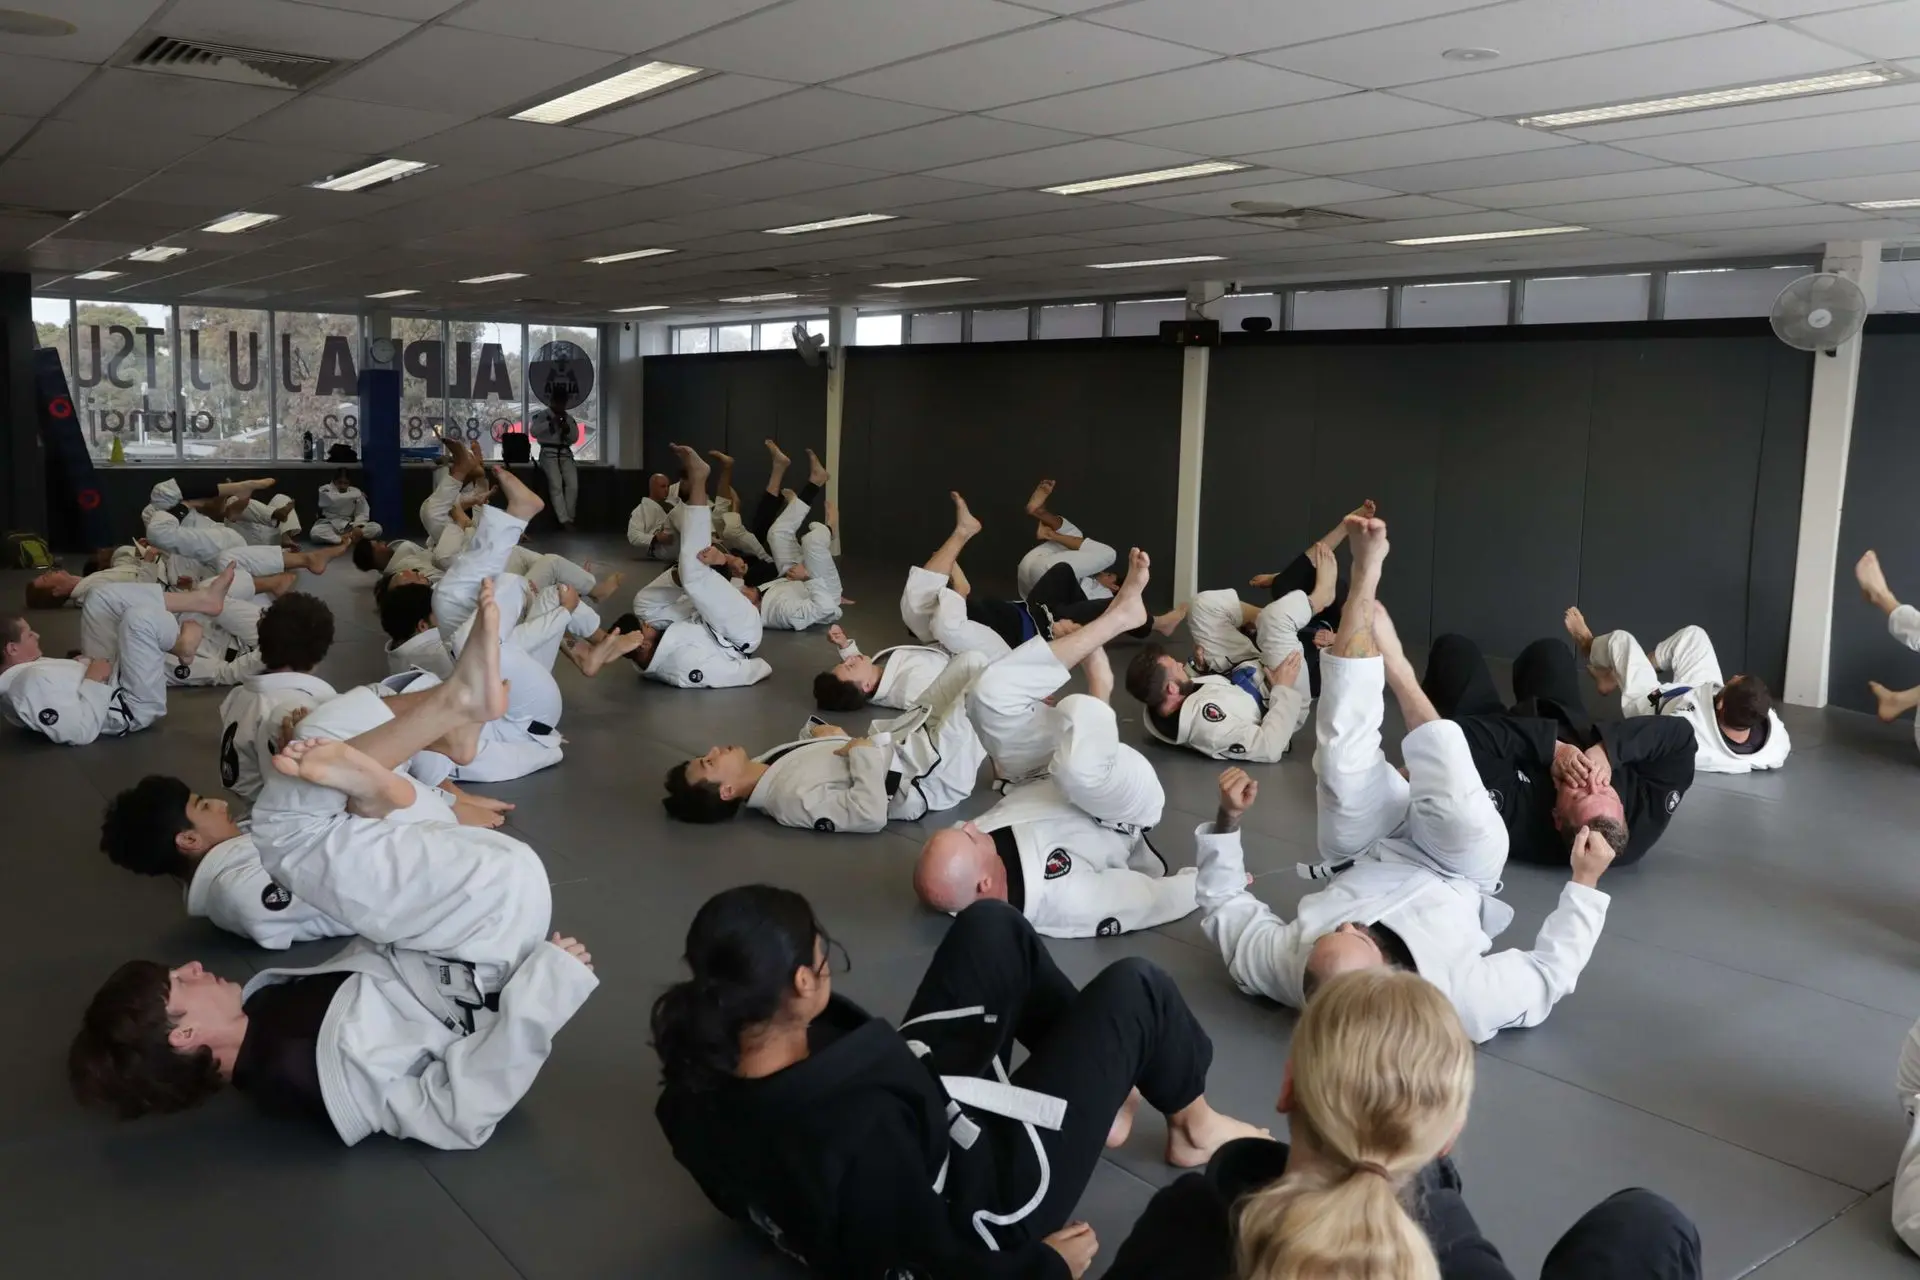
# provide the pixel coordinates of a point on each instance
(1776, 516)
(1881, 515)
(1258, 470)
(1103, 419)
(734, 402)
(1672, 473)
(1506, 540)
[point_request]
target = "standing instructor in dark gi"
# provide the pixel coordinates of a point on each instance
(1547, 766)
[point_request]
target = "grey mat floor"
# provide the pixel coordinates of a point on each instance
(1732, 1044)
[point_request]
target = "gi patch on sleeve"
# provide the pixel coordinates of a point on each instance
(694, 677)
(823, 824)
(1059, 862)
(1212, 713)
(49, 717)
(1238, 749)
(182, 671)
(1673, 801)
(275, 898)
(1110, 927)
(1499, 801)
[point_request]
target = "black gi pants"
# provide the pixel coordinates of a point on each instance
(1129, 1028)
(765, 512)
(1546, 682)
(1300, 575)
(1055, 595)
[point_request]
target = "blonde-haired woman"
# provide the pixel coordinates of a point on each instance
(1376, 1092)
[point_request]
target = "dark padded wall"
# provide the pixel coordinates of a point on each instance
(1649, 473)
(733, 402)
(1102, 418)
(1879, 514)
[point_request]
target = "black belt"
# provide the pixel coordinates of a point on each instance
(893, 782)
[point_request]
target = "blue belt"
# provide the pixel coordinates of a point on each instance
(1028, 628)
(1247, 677)
(1660, 698)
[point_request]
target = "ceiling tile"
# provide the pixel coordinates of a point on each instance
(780, 177)
(999, 204)
(1783, 137)
(1455, 224)
(1826, 104)
(595, 24)
(1219, 88)
(1060, 57)
(1400, 208)
(121, 148)
(493, 146)
(57, 184)
(283, 27)
(1681, 204)
(1789, 8)
(1799, 238)
(648, 162)
(903, 191)
(1089, 218)
(1524, 31)
(802, 121)
(1743, 219)
(1243, 26)
(339, 125)
(437, 70)
(1090, 158)
(1465, 141)
(116, 97)
(33, 86)
(1759, 52)
(1880, 186)
(263, 160)
(815, 40)
(1879, 32)
(1064, 6)
(1356, 115)
(944, 142)
(1487, 171)
(1836, 162)
(1306, 191)
(1605, 186)
(103, 26)
(13, 128)
(1260, 175)
(236, 189)
(694, 100)
(1180, 229)
(141, 220)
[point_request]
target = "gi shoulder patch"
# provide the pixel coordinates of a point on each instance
(823, 824)
(1059, 862)
(694, 677)
(1110, 927)
(276, 898)
(1238, 749)
(1673, 801)
(182, 671)
(1212, 713)
(49, 717)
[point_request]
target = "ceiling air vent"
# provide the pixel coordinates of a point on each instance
(1286, 217)
(231, 63)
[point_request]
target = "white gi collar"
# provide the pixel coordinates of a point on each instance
(208, 870)
(290, 682)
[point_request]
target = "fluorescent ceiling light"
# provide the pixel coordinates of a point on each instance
(1489, 235)
(158, 253)
(372, 175)
(241, 222)
(98, 275)
(917, 284)
(1201, 170)
(801, 228)
(1887, 204)
(495, 278)
(1833, 82)
(1158, 262)
(393, 293)
(652, 306)
(646, 78)
(763, 297)
(628, 256)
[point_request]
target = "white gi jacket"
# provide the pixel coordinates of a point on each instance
(424, 651)
(690, 655)
(1222, 720)
(1688, 655)
(265, 524)
(1439, 918)
(1906, 1178)
(127, 566)
(815, 785)
(905, 671)
(52, 696)
(250, 719)
(231, 888)
(411, 557)
(663, 601)
(647, 520)
(342, 510)
(1082, 879)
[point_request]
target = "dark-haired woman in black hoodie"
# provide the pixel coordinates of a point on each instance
(871, 1153)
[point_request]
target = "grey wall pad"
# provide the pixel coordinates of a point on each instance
(734, 402)
(1776, 515)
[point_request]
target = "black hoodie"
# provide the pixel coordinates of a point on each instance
(835, 1159)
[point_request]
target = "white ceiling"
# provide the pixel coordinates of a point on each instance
(948, 113)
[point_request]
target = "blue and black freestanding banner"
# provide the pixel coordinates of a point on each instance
(380, 446)
(74, 511)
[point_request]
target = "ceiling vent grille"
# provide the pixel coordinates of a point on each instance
(1288, 218)
(231, 63)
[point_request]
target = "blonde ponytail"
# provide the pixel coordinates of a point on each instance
(1382, 1076)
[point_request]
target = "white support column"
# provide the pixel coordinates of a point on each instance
(1202, 302)
(626, 428)
(1823, 488)
(840, 330)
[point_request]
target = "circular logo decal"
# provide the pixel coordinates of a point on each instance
(1212, 713)
(694, 677)
(60, 407)
(1110, 927)
(1059, 862)
(89, 499)
(275, 898)
(49, 717)
(823, 824)
(1673, 801)
(182, 671)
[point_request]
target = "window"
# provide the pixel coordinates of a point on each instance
(226, 382)
(734, 337)
(123, 382)
(1573, 299)
(1726, 291)
(588, 378)
(317, 381)
(1340, 309)
(485, 370)
(1009, 325)
(1141, 317)
(53, 327)
(697, 341)
(423, 379)
(936, 326)
(877, 331)
(1072, 320)
(1899, 286)
(1453, 303)
(777, 335)
(1244, 306)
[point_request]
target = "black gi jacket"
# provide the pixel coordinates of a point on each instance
(834, 1159)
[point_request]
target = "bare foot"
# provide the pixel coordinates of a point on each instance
(209, 598)
(1367, 510)
(615, 644)
(1873, 582)
(1167, 623)
(1035, 505)
(522, 502)
(1128, 605)
(1042, 534)
(468, 814)
(1194, 1134)
(372, 790)
(1123, 1122)
(1891, 705)
(965, 523)
(605, 589)
(476, 685)
(275, 584)
(1262, 579)
(816, 469)
(725, 460)
(1368, 538)
(1578, 630)
(779, 459)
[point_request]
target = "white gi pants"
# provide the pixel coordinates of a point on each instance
(792, 605)
(437, 509)
(1215, 619)
(563, 483)
(937, 614)
(1903, 624)
(1438, 817)
(721, 606)
(457, 595)
(1077, 742)
(330, 533)
(1687, 653)
(1090, 558)
(552, 570)
(127, 623)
